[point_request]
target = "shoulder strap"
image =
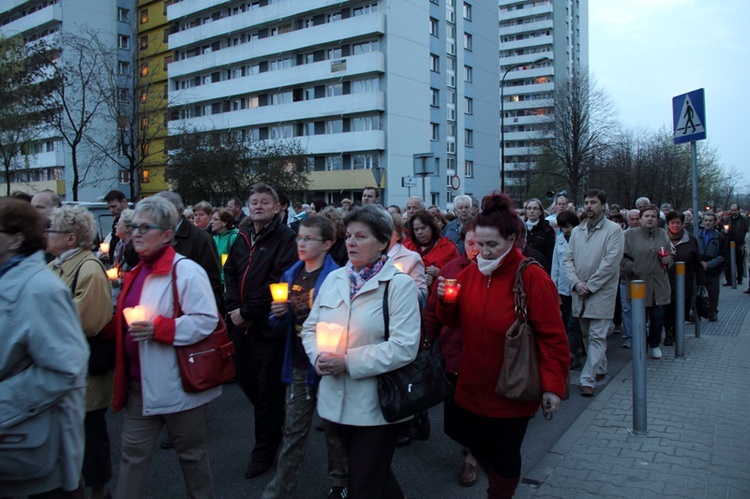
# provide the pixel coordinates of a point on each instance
(176, 309)
(386, 314)
(74, 284)
(518, 289)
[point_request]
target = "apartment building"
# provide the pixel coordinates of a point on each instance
(365, 86)
(541, 41)
(46, 161)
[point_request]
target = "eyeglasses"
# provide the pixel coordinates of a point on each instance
(307, 240)
(142, 229)
(52, 231)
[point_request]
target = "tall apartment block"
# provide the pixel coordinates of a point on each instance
(541, 42)
(46, 162)
(364, 85)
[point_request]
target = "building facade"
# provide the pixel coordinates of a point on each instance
(362, 85)
(46, 161)
(541, 41)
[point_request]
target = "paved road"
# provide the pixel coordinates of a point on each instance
(424, 469)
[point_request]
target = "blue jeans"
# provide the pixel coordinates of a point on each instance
(627, 316)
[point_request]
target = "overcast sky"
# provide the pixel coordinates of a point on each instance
(644, 52)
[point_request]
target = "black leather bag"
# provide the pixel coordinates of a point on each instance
(415, 387)
(702, 303)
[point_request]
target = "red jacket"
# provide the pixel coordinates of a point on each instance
(441, 253)
(485, 311)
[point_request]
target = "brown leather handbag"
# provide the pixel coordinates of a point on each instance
(519, 375)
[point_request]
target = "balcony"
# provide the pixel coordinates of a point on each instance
(56, 186)
(39, 19)
(372, 140)
(343, 180)
(523, 28)
(373, 62)
(288, 43)
(536, 41)
(9, 5)
(506, 14)
(285, 113)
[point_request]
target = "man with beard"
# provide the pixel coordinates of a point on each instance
(592, 265)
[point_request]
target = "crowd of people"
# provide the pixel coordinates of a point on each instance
(366, 291)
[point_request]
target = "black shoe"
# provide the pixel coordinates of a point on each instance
(166, 443)
(256, 469)
(747, 291)
(419, 429)
(713, 318)
(403, 440)
(727, 284)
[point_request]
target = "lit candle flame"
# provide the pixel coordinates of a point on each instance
(113, 274)
(280, 292)
(450, 291)
(328, 336)
(104, 247)
(224, 257)
(134, 314)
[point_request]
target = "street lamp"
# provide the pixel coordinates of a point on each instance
(502, 117)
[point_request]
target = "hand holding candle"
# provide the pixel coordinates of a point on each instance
(450, 291)
(134, 314)
(113, 274)
(328, 336)
(662, 254)
(280, 292)
(104, 248)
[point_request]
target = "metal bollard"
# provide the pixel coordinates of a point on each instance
(679, 320)
(638, 313)
(733, 263)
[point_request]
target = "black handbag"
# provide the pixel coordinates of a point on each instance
(702, 303)
(415, 387)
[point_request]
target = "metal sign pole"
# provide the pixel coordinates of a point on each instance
(638, 311)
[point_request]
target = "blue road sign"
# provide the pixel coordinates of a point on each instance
(689, 116)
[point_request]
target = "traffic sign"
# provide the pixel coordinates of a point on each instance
(689, 116)
(408, 182)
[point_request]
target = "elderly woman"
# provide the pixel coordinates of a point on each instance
(352, 297)
(540, 235)
(492, 426)
(125, 256)
(407, 261)
(647, 255)
(426, 240)
(225, 233)
(69, 237)
(43, 356)
(147, 379)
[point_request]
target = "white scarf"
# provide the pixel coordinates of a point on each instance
(487, 267)
(66, 255)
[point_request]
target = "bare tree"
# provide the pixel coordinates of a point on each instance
(581, 123)
(216, 165)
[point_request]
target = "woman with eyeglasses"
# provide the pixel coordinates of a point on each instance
(225, 234)
(147, 380)
(540, 235)
(69, 238)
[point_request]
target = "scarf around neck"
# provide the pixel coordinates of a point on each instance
(358, 279)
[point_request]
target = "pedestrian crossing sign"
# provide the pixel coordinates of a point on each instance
(689, 117)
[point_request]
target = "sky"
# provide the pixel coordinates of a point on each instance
(644, 52)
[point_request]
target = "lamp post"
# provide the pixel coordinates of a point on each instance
(502, 117)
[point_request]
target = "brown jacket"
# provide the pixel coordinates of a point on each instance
(640, 261)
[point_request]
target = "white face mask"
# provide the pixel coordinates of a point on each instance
(487, 267)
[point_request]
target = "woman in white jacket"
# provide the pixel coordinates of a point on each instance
(352, 297)
(147, 380)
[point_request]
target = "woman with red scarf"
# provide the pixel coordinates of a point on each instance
(425, 239)
(492, 426)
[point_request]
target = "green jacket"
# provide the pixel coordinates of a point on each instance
(224, 242)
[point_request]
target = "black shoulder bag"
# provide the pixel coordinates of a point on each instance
(415, 387)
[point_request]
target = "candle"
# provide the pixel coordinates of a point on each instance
(134, 314)
(726, 227)
(328, 336)
(104, 247)
(113, 274)
(224, 257)
(450, 291)
(399, 266)
(280, 292)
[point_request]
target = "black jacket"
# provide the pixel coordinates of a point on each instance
(197, 245)
(542, 238)
(714, 253)
(250, 269)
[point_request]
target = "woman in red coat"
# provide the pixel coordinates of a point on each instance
(425, 239)
(493, 426)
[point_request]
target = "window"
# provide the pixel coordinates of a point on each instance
(365, 161)
(123, 68)
(468, 74)
(468, 105)
(123, 176)
(468, 41)
(144, 16)
(467, 11)
(167, 60)
(435, 97)
(122, 15)
(433, 26)
(469, 138)
(165, 36)
(123, 42)
(143, 44)
(144, 70)
(434, 131)
(468, 169)
(144, 97)
(434, 63)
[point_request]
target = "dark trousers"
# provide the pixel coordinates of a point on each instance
(618, 309)
(370, 450)
(97, 458)
(572, 325)
(670, 312)
(258, 362)
(739, 262)
(655, 315)
(713, 287)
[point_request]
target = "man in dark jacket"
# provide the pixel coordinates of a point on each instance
(738, 227)
(264, 250)
(713, 253)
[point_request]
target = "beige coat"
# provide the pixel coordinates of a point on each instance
(594, 258)
(351, 398)
(93, 299)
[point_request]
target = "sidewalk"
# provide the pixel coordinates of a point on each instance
(698, 440)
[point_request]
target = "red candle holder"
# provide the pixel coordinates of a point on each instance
(450, 291)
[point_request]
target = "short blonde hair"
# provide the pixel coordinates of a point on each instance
(75, 219)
